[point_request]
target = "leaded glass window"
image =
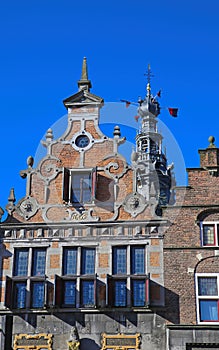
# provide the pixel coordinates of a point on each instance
(37, 289)
(20, 292)
(88, 293)
(138, 292)
(137, 260)
(70, 292)
(120, 293)
(88, 261)
(70, 261)
(39, 260)
(119, 260)
(21, 262)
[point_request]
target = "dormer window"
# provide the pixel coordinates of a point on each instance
(79, 186)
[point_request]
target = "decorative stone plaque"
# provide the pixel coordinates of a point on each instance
(120, 341)
(34, 341)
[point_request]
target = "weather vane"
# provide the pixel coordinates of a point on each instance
(149, 75)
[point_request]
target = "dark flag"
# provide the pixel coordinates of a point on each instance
(159, 93)
(136, 117)
(173, 111)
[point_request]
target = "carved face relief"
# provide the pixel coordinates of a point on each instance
(134, 204)
(27, 207)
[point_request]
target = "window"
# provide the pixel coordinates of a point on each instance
(120, 292)
(137, 260)
(88, 261)
(128, 284)
(79, 186)
(70, 261)
(210, 234)
(77, 285)
(87, 293)
(119, 260)
(21, 262)
(39, 259)
(207, 292)
(28, 278)
(37, 291)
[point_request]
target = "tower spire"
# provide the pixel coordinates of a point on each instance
(84, 83)
(149, 75)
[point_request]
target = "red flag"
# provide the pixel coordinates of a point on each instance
(173, 111)
(136, 117)
(127, 104)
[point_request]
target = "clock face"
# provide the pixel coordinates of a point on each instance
(82, 141)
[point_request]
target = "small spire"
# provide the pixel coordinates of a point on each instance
(84, 83)
(149, 75)
(11, 198)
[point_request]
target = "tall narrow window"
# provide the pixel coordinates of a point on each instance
(137, 260)
(119, 260)
(70, 293)
(70, 261)
(120, 293)
(138, 292)
(88, 299)
(37, 291)
(39, 259)
(88, 261)
(20, 291)
(21, 262)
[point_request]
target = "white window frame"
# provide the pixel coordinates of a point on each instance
(211, 223)
(207, 297)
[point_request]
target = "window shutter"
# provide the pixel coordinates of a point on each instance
(93, 183)
(95, 290)
(58, 290)
(49, 294)
(110, 291)
(147, 290)
(66, 178)
(8, 292)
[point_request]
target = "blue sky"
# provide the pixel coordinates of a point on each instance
(42, 47)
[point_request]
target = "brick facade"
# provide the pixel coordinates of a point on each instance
(126, 267)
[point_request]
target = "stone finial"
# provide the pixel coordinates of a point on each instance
(84, 83)
(117, 131)
(49, 135)
(30, 161)
(117, 139)
(11, 199)
(211, 140)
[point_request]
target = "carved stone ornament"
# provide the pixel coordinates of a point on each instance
(27, 207)
(48, 169)
(116, 168)
(55, 213)
(134, 204)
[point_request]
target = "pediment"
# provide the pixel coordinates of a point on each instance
(82, 97)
